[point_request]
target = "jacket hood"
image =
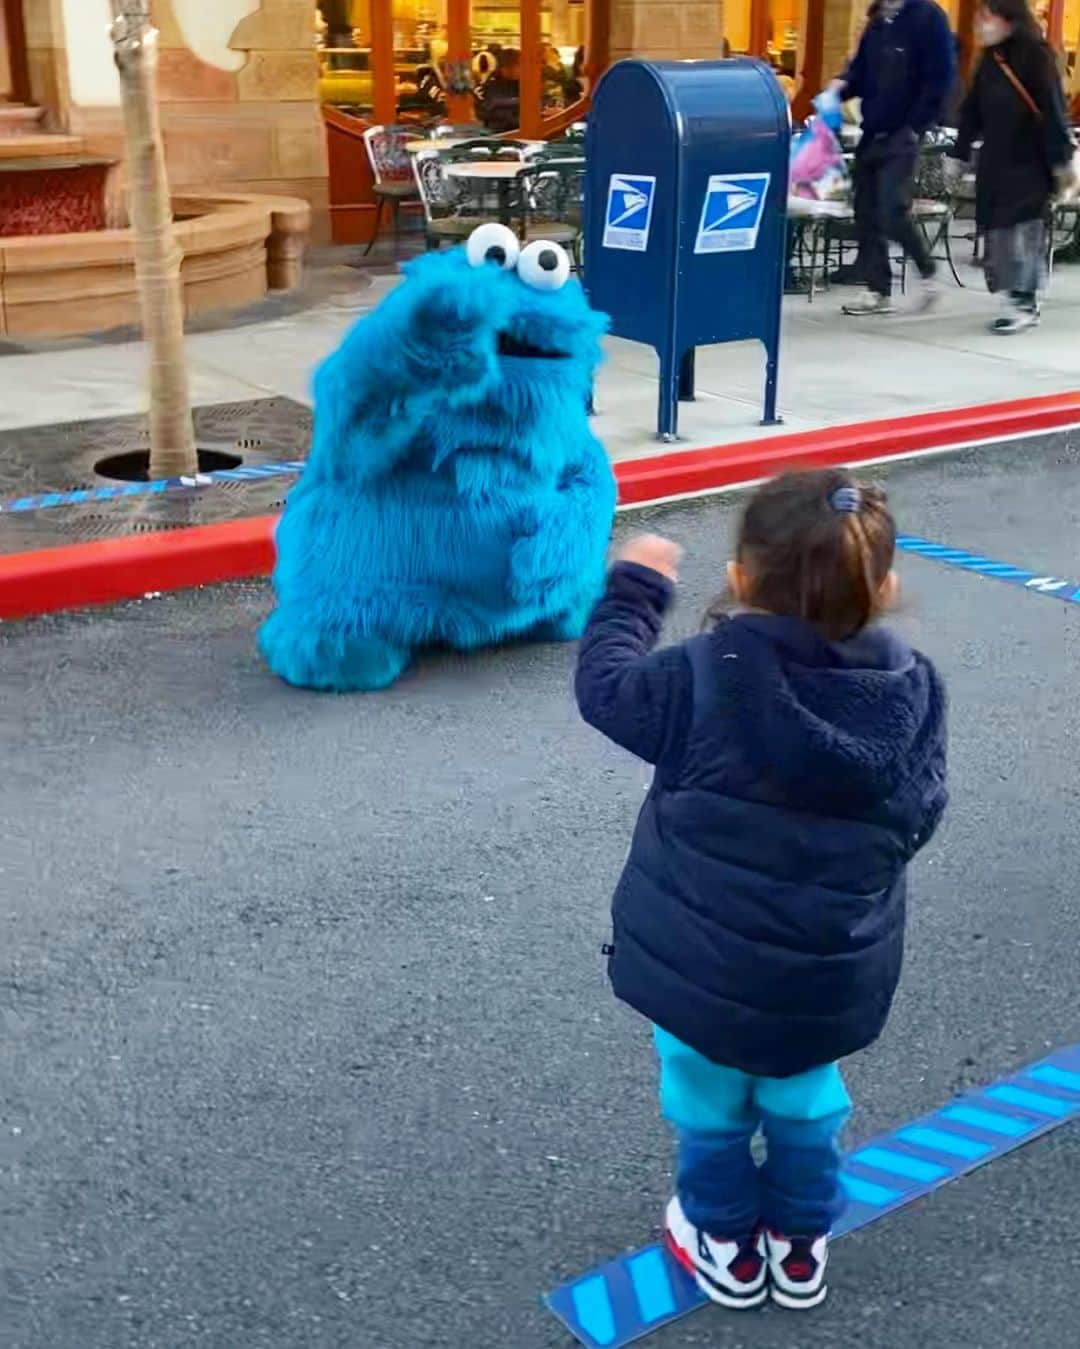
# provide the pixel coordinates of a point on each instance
(832, 723)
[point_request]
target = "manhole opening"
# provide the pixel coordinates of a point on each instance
(134, 465)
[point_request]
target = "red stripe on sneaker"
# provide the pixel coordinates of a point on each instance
(680, 1255)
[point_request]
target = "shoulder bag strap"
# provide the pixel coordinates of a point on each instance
(1018, 84)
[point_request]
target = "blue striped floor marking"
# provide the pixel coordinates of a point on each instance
(45, 501)
(988, 1121)
(936, 1140)
(1054, 587)
(899, 1164)
(1056, 1077)
(867, 1192)
(643, 1290)
(1030, 1100)
(592, 1307)
(652, 1286)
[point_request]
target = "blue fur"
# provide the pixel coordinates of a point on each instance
(452, 495)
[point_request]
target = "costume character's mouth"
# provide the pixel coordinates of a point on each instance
(516, 346)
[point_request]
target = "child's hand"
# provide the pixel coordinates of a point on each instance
(655, 552)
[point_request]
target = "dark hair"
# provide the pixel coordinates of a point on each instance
(1018, 13)
(812, 555)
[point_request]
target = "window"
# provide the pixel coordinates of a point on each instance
(1070, 34)
(346, 71)
(504, 64)
(422, 76)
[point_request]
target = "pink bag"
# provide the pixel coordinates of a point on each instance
(817, 164)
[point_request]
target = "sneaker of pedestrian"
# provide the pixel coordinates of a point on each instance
(729, 1271)
(868, 302)
(927, 295)
(1015, 318)
(797, 1270)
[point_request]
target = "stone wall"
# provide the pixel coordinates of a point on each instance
(667, 29)
(255, 128)
(843, 23)
(46, 57)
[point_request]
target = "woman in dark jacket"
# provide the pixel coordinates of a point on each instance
(1016, 108)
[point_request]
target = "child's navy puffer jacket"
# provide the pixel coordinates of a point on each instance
(760, 916)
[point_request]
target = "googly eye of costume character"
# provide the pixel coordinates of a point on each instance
(542, 265)
(493, 243)
(454, 494)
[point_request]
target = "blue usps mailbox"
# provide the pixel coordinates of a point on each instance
(685, 212)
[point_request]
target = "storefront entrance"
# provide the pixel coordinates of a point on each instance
(507, 65)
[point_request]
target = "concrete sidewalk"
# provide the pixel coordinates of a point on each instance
(834, 370)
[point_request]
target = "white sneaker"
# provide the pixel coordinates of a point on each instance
(732, 1273)
(797, 1270)
(868, 302)
(1015, 319)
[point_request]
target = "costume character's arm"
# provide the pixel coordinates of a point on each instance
(431, 343)
(571, 526)
(638, 697)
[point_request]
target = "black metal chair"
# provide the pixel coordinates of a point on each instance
(392, 170)
(443, 200)
(550, 151)
(550, 203)
(1063, 232)
(934, 206)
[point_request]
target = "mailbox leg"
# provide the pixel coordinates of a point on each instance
(686, 376)
(668, 426)
(772, 367)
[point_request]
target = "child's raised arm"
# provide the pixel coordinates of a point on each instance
(639, 698)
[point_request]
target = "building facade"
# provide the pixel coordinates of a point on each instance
(253, 92)
(238, 83)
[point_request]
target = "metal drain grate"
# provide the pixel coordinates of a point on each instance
(60, 458)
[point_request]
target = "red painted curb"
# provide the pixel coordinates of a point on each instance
(116, 569)
(684, 472)
(123, 569)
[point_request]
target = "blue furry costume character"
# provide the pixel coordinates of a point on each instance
(454, 493)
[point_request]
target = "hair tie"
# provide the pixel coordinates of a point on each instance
(846, 500)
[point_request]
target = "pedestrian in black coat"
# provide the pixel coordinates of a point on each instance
(902, 72)
(1016, 108)
(799, 754)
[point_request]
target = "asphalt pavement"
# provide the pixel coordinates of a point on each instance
(305, 1039)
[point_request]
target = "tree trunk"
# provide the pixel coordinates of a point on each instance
(157, 254)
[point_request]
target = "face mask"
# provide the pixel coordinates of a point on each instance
(991, 30)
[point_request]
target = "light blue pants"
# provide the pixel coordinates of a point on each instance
(717, 1110)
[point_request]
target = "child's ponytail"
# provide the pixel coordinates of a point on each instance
(817, 546)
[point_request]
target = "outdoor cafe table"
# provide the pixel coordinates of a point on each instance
(809, 220)
(450, 142)
(436, 143)
(501, 172)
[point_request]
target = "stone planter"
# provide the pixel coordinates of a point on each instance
(236, 247)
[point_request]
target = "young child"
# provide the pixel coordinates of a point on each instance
(799, 756)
